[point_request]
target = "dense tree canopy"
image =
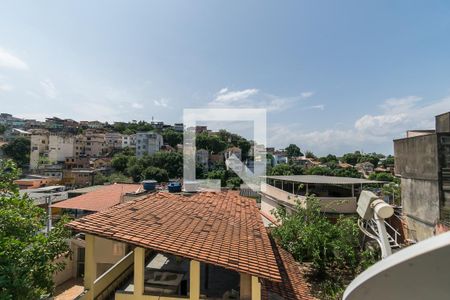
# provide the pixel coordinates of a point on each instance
(155, 173)
(119, 162)
(131, 127)
(172, 137)
(310, 154)
(18, 150)
(26, 252)
(212, 143)
(388, 161)
(293, 151)
(333, 247)
(171, 162)
(330, 158)
(351, 158)
(383, 176)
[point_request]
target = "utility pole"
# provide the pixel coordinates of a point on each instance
(48, 200)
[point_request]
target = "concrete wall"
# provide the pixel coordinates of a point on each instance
(65, 274)
(268, 205)
(420, 201)
(443, 122)
(108, 251)
(417, 157)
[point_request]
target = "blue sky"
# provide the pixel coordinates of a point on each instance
(335, 76)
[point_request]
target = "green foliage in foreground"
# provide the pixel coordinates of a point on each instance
(26, 253)
(332, 247)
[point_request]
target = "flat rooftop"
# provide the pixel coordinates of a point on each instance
(219, 228)
(87, 189)
(319, 179)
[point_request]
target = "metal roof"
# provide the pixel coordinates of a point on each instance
(320, 179)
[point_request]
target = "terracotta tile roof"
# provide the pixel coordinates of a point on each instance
(100, 199)
(293, 286)
(220, 228)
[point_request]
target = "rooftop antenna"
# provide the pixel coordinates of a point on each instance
(372, 209)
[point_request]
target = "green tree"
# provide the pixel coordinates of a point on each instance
(351, 158)
(2, 129)
(350, 172)
(119, 162)
(310, 154)
(100, 179)
(245, 146)
(318, 170)
(155, 173)
(209, 142)
(18, 150)
(332, 247)
(27, 254)
(234, 182)
(281, 170)
(172, 162)
(373, 159)
(220, 174)
(330, 158)
(118, 177)
(172, 137)
(383, 176)
(393, 191)
(388, 161)
(135, 169)
(293, 151)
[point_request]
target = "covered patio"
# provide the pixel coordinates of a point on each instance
(199, 246)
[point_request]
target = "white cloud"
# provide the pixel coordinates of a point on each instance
(10, 61)
(319, 107)
(161, 102)
(223, 91)
(49, 88)
(307, 94)
(137, 105)
(226, 97)
(4, 87)
(369, 132)
(253, 98)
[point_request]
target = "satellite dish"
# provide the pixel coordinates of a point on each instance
(418, 272)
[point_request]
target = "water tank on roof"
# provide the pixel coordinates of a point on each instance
(174, 187)
(149, 185)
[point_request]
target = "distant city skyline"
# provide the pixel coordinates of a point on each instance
(335, 77)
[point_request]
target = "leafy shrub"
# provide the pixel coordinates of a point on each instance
(332, 247)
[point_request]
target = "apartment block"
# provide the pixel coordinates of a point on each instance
(94, 144)
(148, 142)
(129, 141)
(113, 140)
(60, 147)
